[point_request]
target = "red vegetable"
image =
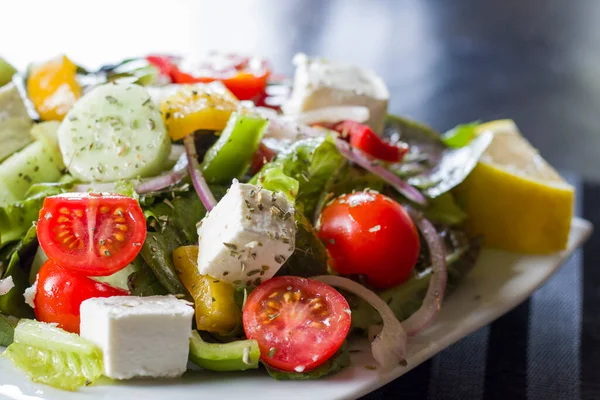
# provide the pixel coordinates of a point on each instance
(91, 233)
(245, 77)
(362, 137)
(299, 323)
(61, 291)
(370, 234)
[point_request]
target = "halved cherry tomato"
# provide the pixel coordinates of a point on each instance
(299, 323)
(262, 156)
(362, 137)
(246, 77)
(91, 233)
(370, 234)
(61, 291)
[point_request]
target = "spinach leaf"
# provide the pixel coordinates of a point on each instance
(13, 302)
(339, 361)
(430, 165)
(7, 329)
(310, 256)
(144, 283)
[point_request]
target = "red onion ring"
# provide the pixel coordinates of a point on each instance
(160, 182)
(357, 156)
(432, 302)
(198, 180)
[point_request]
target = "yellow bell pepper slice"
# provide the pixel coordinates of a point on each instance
(53, 88)
(216, 310)
(198, 107)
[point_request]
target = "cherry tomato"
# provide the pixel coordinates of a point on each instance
(370, 234)
(262, 156)
(92, 233)
(61, 291)
(299, 323)
(362, 137)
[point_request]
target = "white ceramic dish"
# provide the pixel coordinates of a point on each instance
(498, 283)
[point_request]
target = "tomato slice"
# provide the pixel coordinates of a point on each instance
(299, 323)
(61, 291)
(96, 234)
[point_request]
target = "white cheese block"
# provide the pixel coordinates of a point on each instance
(248, 236)
(139, 336)
(320, 83)
(30, 293)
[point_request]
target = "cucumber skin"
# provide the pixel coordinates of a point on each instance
(114, 132)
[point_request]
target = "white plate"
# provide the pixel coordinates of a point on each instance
(498, 283)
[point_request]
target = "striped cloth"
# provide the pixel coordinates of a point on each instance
(548, 348)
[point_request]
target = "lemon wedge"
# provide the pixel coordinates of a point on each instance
(514, 198)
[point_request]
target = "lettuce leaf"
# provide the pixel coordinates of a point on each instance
(17, 218)
(311, 162)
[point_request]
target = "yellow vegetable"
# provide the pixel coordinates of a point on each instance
(53, 88)
(216, 310)
(514, 198)
(198, 107)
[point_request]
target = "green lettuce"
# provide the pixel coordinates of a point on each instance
(311, 162)
(460, 135)
(17, 218)
(275, 180)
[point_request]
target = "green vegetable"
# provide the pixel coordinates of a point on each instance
(120, 279)
(460, 135)
(339, 361)
(444, 210)
(275, 180)
(52, 356)
(139, 70)
(311, 162)
(39, 162)
(406, 298)
(240, 355)
(351, 178)
(144, 283)
(18, 265)
(114, 132)
(16, 218)
(232, 154)
(7, 329)
(15, 123)
(310, 256)
(6, 72)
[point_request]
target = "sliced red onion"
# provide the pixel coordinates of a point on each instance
(389, 346)
(160, 182)
(6, 285)
(432, 303)
(330, 115)
(370, 164)
(198, 180)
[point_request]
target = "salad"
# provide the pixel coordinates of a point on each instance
(164, 213)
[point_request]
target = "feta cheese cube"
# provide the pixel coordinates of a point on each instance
(248, 236)
(319, 83)
(139, 336)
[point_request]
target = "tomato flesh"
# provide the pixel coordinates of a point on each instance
(299, 323)
(370, 234)
(61, 291)
(91, 233)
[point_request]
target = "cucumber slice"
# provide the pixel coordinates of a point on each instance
(53, 356)
(38, 162)
(235, 356)
(14, 120)
(114, 132)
